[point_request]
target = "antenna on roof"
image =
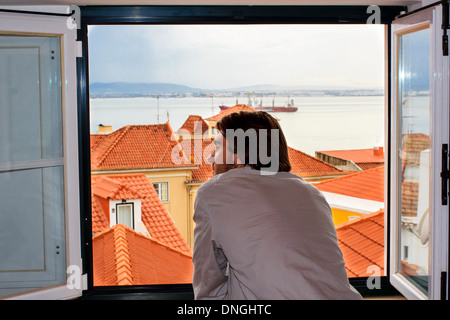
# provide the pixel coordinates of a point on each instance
(157, 116)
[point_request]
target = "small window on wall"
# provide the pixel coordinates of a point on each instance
(162, 189)
(125, 214)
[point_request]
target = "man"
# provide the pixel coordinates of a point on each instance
(263, 233)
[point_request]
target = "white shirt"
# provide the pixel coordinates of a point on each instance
(265, 237)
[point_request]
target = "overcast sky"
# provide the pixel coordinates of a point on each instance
(221, 56)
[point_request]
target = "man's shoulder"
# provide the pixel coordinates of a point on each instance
(219, 181)
(208, 184)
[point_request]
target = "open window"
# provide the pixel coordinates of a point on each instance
(39, 217)
(166, 122)
(420, 135)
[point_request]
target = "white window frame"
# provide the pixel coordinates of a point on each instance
(23, 24)
(438, 245)
(137, 214)
(159, 190)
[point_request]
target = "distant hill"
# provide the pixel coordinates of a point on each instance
(128, 89)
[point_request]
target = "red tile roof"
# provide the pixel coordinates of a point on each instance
(236, 108)
(361, 241)
(198, 150)
(367, 184)
(135, 147)
(190, 125)
(358, 155)
(307, 166)
(410, 198)
(412, 145)
(121, 256)
(153, 214)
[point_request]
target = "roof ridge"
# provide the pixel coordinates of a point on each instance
(124, 129)
(326, 163)
(348, 176)
(122, 255)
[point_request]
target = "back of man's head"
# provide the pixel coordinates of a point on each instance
(257, 139)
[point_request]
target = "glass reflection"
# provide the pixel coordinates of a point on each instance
(414, 178)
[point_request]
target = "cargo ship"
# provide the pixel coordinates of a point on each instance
(288, 107)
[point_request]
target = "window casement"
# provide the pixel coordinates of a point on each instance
(39, 179)
(420, 131)
(125, 214)
(162, 189)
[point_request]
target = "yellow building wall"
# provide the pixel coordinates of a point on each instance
(178, 204)
(341, 216)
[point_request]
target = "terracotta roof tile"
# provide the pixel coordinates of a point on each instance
(236, 108)
(307, 166)
(135, 147)
(198, 150)
(190, 125)
(121, 256)
(412, 145)
(410, 198)
(367, 184)
(362, 244)
(154, 215)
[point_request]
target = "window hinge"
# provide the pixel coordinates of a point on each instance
(445, 26)
(445, 175)
(84, 281)
(79, 49)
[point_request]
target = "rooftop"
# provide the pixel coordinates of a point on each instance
(135, 147)
(307, 166)
(361, 241)
(368, 184)
(375, 154)
(190, 125)
(135, 186)
(236, 108)
(121, 256)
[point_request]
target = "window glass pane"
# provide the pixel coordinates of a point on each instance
(164, 191)
(32, 214)
(30, 106)
(414, 172)
(157, 187)
(125, 215)
(32, 232)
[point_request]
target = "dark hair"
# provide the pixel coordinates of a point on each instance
(257, 120)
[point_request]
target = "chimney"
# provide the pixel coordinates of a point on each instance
(104, 128)
(378, 151)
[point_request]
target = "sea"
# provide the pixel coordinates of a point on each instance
(321, 122)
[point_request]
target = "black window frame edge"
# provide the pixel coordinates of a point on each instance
(172, 14)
